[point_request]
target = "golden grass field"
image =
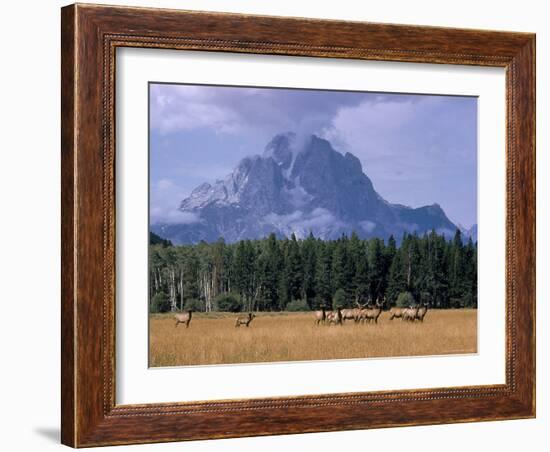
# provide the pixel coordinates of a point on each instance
(213, 339)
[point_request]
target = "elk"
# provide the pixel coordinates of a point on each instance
(421, 312)
(410, 314)
(349, 314)
(335, 317)
(373, 313)
(184, 317)
(244, 320)
(321, 316)
(397, 312)
(361, 315)
(360, 312)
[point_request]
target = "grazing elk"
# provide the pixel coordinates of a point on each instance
(335, 317)
(321, 316)
(184, 317)
(244, 320)
(372, 313)
(421, 312)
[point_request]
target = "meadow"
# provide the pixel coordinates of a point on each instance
(283, 336)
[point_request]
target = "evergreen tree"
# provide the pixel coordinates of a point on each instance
(294, 269)
(309, 261)
(340, 299)
(190, 275)
(339, 258)
(469, 284)
(457, 286)
(269, 270)
(342, 269)
(361, 278)
(160, 303)
(396, 280)
(243, 272)
(323, 287)
(412, 262)
(436, 286)
(376, 267)
(283, 286)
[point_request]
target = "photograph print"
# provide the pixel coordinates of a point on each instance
(296, 224)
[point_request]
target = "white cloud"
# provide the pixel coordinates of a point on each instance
(234, 110)
(299, 197)
(366, 126)
(367, 225)
(176, 113)
(318, 218)
(173, 216)
(165, 184)
(165, 197)
(319, 221)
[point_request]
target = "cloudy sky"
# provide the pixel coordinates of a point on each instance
(416, 149)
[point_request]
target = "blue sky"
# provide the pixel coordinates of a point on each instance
(416, 149)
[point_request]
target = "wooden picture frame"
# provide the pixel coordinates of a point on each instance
(90, 35)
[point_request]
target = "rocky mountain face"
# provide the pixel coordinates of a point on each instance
(297, 189)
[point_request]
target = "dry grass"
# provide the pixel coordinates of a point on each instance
(213, 339)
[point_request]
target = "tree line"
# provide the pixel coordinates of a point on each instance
(275, 274)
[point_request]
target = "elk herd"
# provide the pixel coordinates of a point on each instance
(363, 313)
(368, 313)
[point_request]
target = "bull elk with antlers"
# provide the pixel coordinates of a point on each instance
(361, 311)
(372, 313)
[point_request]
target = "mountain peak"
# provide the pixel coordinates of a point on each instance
(298, 187)
(280, 149)
(315, 142)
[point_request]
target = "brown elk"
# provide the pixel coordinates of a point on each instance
(244, 320)
(361, 315)
(335, 317)
(397, 313)
(349, 314)
(421, 312)
(184, 317)
(410, 313)
(360, 311)
(372, 313)
(363, 311)
(321, 316)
